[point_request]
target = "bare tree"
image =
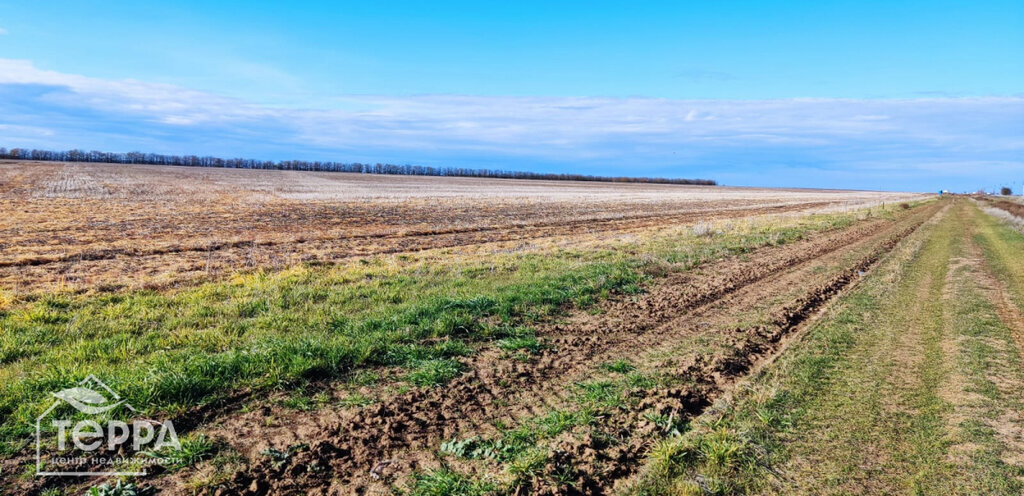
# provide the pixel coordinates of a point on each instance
(302, 165)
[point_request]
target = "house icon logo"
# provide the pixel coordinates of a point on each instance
(87, 439)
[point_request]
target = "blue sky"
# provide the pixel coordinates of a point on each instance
(879, 95)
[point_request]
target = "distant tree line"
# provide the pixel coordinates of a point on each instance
(304, 165)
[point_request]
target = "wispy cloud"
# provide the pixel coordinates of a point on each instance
(745, 140)
(3, 31)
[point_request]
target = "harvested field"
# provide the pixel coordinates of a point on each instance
(511, 249)
(81, 226)
(513, 337)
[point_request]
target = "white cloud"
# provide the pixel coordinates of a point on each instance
(553, 121)
(34, 131)
(163, 102)
(605, 130)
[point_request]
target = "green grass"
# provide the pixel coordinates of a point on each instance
(117, 489)
(619, 366)
(864, 403)
(524, 339)
(445, 482)
(435, 372)
(1002, 250)
(171, 351)
(194, 449)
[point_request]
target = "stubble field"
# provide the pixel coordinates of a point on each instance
(80, 226)
(343, 334)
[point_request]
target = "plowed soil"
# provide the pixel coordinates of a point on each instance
(1010, 206)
